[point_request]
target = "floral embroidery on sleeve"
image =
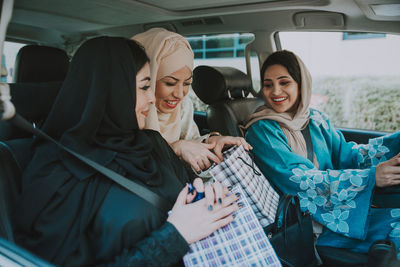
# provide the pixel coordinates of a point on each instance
(336, 220)
(330, 195)
(371, 154)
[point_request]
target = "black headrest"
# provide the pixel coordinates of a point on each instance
(213, 84)
(32, 101)
(35, 63)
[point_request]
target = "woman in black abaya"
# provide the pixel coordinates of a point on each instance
(71, 215)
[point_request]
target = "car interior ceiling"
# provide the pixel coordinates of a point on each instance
(54, 26)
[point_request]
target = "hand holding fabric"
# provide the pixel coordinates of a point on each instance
(197, 154)
(223, 141)
(196, 221)
(388, 172)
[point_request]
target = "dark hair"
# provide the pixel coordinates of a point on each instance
(286, 59)
(139, 55)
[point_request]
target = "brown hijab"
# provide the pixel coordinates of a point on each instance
(292, 122)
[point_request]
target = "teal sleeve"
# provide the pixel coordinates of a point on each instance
(339, 199)
(378, 150)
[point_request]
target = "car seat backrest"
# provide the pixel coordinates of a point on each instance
(225, 90)
(14, 157)
(32, 101)
(35, 63)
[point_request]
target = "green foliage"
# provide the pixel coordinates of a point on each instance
(365, 102)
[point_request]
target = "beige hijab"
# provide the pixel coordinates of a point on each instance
(168, 52)
(291, 122)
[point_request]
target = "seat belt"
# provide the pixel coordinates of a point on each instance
(132, 186)
(309, 145)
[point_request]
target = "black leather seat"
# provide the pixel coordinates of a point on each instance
(225, 90)
(33, 101)
(38, 75)
(35, 63)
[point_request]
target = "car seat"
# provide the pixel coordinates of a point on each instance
(33, 101)
(225, 90)
(38, 75)
(35, 63)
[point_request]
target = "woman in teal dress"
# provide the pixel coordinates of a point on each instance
(337, 186)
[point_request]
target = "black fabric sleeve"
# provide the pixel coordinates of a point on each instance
(167, 155)
(164, 247)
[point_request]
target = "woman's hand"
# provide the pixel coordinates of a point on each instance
(197, 154)
(388, 172)
(196, 221)
(213, 193)
(222, 141)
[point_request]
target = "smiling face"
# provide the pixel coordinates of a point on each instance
(171, 89)
(280, 90)
(144, 95)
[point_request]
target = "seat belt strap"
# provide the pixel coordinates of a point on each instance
(309, 145)
(126, 183)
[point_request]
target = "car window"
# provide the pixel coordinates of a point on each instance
(221, 50)
(356, 76)
(8, 59)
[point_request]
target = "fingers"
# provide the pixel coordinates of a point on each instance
(221, 223)
(230, 199)
(218, 150)
(219, 192)
(214, 157)
(195, 166)
(394, 169)
(226, 190)
(181, 199)
(397, 156)
(202, 163)
(209, 146)
(198, 184)
(396, 160)
(190, 197)
(222, 213)
(246, 145)
(210, 197)
(203, 160)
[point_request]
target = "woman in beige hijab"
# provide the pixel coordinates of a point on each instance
(171, 66)
(301, 152)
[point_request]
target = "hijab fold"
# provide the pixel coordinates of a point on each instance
(291, 122)
(168, 53)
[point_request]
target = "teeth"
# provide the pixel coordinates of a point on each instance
(172, 102)
(278, 99)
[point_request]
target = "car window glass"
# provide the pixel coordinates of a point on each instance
(356, 76)
(8, 59)
(221, 50)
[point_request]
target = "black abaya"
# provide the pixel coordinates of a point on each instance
(71, 215)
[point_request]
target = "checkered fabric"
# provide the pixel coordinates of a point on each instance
(240, 243)
(239, 168)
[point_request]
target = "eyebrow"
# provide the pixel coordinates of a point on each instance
(145, 79)
(280, 77)
(172, 77)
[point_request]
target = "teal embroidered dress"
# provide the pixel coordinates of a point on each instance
(338, 194)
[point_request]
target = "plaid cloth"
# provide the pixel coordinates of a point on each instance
(239, 168)
(240, 243)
